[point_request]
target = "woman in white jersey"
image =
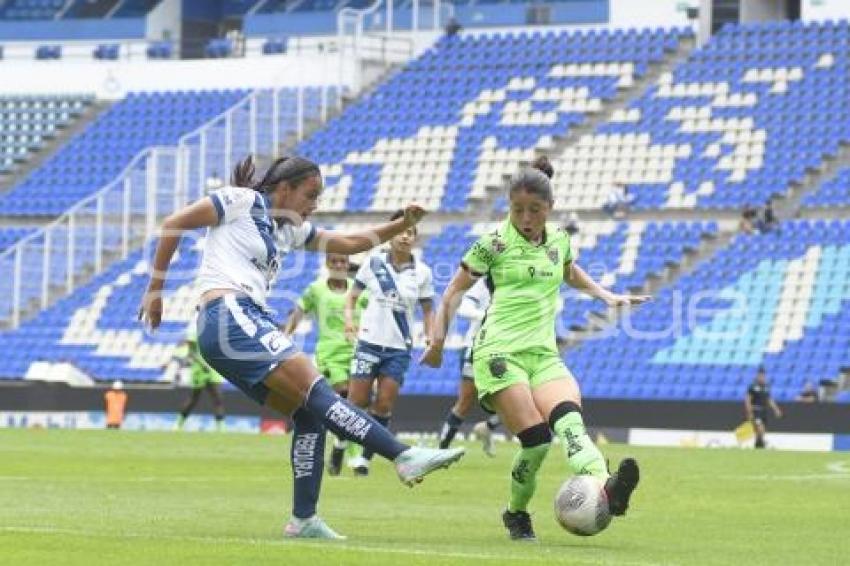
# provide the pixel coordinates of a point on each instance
(251, 225)
(473, 306)
(397, 282)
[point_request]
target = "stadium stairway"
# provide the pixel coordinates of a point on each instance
(52, 145)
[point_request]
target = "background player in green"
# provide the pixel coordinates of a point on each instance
(203, 378)
(324, 298)
(518, 369)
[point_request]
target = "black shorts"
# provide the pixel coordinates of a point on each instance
(760, 415)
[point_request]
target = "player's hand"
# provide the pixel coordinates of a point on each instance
(432, 356)
(351, 333)
(617, 300)
(150, 312)
(413, 213)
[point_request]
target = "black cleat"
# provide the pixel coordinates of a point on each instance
(620, 486)
(518, 524)
(361, 471)
(335, 463)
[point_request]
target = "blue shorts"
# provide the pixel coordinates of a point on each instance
(370, 361)
(240, 341)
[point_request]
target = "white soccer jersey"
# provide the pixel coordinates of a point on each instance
(388, 318)
(474, 306)
(244, 250)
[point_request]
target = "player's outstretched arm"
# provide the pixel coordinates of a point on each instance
(452, 296)
(332, 242)
(199, 214)
(351, 300)
(577, 278)
(293, 320)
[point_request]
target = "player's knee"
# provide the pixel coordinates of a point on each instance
(535, 435)
(463, 406)
(561, 410)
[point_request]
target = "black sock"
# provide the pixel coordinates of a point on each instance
(337, 454)
(351, 423)
(493, 422)
(308, 448)
(449, 430)
(759, 442)
(384, 422)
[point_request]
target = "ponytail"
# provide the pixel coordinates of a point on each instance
(293, 170)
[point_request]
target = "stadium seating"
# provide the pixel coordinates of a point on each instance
(96, 156)
(25, 122)
(9, 236)
(834, 192)
(421, 134)
(134, 8)
(746, 115)
(30, 9)
(779, 300)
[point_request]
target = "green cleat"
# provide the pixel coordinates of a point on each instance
(415, 463)
(314, 527)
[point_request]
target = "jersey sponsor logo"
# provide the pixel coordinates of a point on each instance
(275, 341)
(552, 254)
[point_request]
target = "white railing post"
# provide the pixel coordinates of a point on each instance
(45, 268)
(437, 9)
(324, 103)
(300, 113)
(228, 143)
(98, 235)
(150, 194)
(125, 220)
(16, 288)
(69, 278)
(252, 124)
(414, 22)
(202, 161)
(389, 17)
(276, 122)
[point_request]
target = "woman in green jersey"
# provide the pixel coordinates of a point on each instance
(204, 378)
(324, 298)
(518, 370)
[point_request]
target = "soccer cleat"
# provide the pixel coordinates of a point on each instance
(360, 465)
(619, 487)
(335, 462)
(415, 463)
(485, 435)
(314, 527)
(518, 524)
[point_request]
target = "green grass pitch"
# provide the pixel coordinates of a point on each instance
(107, 497)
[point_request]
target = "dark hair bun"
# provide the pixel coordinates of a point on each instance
(543, 165)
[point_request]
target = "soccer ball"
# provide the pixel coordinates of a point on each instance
(581, 506)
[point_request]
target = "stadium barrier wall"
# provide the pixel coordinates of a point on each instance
(805, 426)
(57, 30)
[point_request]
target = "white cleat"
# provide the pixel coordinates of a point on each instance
(485, 435)
(314, 527)
(415, 463)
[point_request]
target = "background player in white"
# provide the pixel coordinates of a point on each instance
(473, 306)
(251, 225)
(396, 281)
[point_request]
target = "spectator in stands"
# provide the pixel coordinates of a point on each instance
(768, 221)
(747, 222)
(116, 405)
(619, 201)
(571, 226)
(756, 403)
(453, 28)
(809, 394)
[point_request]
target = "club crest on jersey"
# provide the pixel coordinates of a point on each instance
(552, 254)
(498, 245)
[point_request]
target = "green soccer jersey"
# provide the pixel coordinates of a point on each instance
(328, 308)
(526, 280)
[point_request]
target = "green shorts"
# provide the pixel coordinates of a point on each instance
(335, 372)
(494, 372)
(203, 377)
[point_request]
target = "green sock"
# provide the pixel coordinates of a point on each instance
(582, 454)
(524, 475)
(181, 420)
